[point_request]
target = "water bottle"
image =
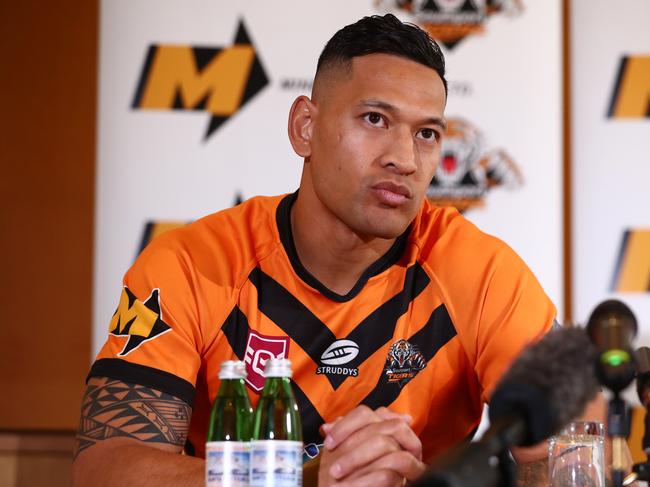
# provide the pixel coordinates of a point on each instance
(276, 449)
(227, 451)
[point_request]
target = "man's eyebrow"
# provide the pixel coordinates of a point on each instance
(373, 103)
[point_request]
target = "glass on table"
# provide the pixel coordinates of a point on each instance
(576, 455)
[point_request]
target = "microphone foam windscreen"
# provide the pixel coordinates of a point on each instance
(550, 383)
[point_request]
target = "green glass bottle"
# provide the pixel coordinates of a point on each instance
(276, 449)
(227, 451)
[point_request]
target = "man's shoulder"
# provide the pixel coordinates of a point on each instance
(236, 234)
(443, 230)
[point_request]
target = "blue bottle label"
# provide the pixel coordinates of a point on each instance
(276, 463)
(227, 464)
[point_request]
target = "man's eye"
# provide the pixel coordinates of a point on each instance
(427, 134)
(374, 118)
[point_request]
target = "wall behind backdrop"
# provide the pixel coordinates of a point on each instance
(194, 98)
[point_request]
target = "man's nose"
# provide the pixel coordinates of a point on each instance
(401, 153)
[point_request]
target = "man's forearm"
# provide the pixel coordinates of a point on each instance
(120, 461)
(533, 474)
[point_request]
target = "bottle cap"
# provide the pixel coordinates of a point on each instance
(278, 367)
(232, 369)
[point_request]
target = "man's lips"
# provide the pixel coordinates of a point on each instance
(392, 194)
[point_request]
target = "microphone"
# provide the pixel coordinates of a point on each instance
(548, 385)
(612, 326)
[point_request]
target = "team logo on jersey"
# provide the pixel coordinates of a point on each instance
(260, 348)
(468, 169)
(632, 273)
(217, 80)
(339, 353)
(140, 321)
(450, 21)
(631, 96)
(404, 361)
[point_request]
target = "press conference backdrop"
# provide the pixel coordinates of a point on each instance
(611, 156)
(193, 109)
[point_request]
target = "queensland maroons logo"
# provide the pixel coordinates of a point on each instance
(259, 349)
(450, 21)
(468, 168)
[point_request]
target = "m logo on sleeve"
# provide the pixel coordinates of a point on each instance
(140, 321)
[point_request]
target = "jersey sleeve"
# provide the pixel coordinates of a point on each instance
(513, 312)
(154, 336)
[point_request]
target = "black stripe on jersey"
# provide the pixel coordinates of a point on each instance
(309, 416)
(437, 332)
(379, 327)
(118, 369)
(283, 220)
(236, 328)
(313, 336)
(293, 317)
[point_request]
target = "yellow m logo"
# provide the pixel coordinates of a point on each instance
(216, 80)
(631, 97)
(138, 320)
(632, 272)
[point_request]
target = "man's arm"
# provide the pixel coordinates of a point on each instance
(133, 435)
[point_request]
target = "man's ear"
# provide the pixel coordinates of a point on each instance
(301, 124)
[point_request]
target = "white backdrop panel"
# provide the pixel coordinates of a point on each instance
(155, 165)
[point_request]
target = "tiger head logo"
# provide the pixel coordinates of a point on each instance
(403, 362)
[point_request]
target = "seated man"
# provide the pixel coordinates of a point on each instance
(432, 309)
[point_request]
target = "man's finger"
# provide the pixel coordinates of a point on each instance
(353, 421)
(372, 442)
(401, 462)
(376, 478)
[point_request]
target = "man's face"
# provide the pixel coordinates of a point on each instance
(375, 143)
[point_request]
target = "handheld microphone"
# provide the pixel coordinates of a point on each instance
(612, 326)
(547, 386)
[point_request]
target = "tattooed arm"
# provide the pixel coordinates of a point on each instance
(133, 435)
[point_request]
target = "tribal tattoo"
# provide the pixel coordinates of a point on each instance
(112, 408)
(533, 474)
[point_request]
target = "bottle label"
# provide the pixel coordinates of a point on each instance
(276, 463)
(227, 463)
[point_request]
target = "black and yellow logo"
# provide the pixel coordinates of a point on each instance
(216, 80)
(631, 96)
(139, 320)
(632, 273)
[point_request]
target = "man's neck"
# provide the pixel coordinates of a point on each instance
(330, 251)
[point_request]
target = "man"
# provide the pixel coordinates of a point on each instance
(399, 317)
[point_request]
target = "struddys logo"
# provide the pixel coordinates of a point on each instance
(216, 80)
(450, 21)
(468, 169)
(632, 272)
(631, 94)
(139, 321)
(404, 361)
(336, 359)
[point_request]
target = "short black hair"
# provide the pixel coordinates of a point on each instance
(383, 34)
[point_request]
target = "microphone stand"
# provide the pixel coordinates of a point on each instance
(642, 356)
(618, 429)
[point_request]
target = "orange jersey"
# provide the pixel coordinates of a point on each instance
(427, 330)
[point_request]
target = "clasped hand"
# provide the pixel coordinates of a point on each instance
(370, 448)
